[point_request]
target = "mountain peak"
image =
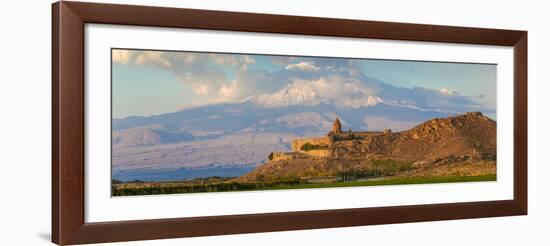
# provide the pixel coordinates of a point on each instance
(323, 91)
(468, 120)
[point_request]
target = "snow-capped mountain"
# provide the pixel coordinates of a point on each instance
(231, 139)
(342, 93)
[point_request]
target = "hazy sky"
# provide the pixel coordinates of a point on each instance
(148, 83)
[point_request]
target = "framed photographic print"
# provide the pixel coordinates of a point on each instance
(161, 115)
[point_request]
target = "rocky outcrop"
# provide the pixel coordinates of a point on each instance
(472, 134)
(468, 138)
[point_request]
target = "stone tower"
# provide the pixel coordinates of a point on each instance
(336, 126)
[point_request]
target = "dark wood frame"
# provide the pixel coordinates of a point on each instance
(68, 224)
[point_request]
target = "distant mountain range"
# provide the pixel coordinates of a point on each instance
(232, 139)
(217, 120)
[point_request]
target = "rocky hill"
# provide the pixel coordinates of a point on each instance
(471, 134)
(459, 145)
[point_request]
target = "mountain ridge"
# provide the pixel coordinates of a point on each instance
(460, 140)
(157, 142)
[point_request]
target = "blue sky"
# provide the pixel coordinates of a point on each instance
(148, 83)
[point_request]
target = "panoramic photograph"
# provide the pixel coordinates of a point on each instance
(191, 122)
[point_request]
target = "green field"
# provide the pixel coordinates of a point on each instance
(391, 181)
(173, 188)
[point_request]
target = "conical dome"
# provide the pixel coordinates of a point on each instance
(337, 126)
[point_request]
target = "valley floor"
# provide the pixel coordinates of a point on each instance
(153, 188)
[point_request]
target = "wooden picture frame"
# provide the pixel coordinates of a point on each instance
(68, 122)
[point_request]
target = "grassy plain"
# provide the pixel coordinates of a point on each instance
(221, 185)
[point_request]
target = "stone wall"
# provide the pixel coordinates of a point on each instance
(328, 141)
(286, 156)
(281, 156)
(358, 134)
(317, 152)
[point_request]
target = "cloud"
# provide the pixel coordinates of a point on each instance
(226, 78)
(448, 92)
(201, 89)
(229, 91)
(245, 85)
(194, 69)
(241, 61)
(121, 56)
(341, 82)
(233, 60)
(430, 99)
(152, 58)
(247, 60)
(304, 65)
(155, 58)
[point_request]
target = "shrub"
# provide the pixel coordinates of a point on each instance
(307, 147)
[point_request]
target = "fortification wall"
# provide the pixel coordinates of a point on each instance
(296, 144)
(281, 156)
(359, 134)
(317, 152)
(286, 156)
